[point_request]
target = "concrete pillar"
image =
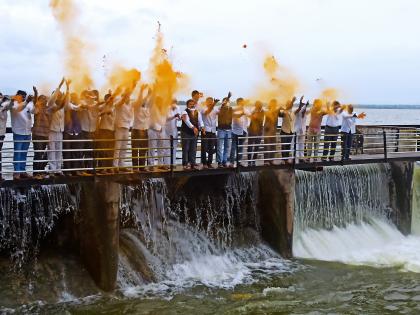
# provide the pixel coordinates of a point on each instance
(402, 194)
(99, 232)
(276, 204)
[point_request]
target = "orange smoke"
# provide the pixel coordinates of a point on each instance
(166, 82)
(280, 84)
(124, 78)
(329, 95)
(76, 48)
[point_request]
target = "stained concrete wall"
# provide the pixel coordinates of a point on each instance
(276, 206)
(99, 232)
(402, 194)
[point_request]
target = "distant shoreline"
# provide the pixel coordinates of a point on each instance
(389, 106)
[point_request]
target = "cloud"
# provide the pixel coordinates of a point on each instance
(368, 49)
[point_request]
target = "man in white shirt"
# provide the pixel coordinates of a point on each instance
(348, 129)
(332, 128)
(286, 131)
(106, 133)
(171, 127)
(21, 107)
(139, 136)
(192, 122)
(88, 120)
(123, 120)
(239, 130)
(300, 129)
(159, 146)
(209, 138)
(56, 106)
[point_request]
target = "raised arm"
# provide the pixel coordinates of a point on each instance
(51, 102)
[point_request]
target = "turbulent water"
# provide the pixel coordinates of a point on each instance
(205, 256)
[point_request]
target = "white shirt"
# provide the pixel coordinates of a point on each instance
(57, 120)
(107, 121)
(287, 124)
(124, 115)
(171, 123)
(141, 117)
(349, 123)
(188, 122)
(334, 120)
(300, 122)
(22, 120)
(209, 120)
(239, 121)
(88, 119)
(3, 118)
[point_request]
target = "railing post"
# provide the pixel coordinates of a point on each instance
(397, 148)
(294, 149)
(172, 155)
(237, 153)
(385, 146)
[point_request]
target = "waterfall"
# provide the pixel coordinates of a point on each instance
(28, 215)
(343, 215)
(179, 239)
(338, 196)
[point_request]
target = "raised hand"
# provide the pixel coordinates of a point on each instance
(229, 95)
(301, 100)
(62, 82)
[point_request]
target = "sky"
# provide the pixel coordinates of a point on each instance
(368, 49)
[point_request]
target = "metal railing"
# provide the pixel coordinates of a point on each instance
(91, 157)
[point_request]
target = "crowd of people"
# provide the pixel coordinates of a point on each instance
(82, 133)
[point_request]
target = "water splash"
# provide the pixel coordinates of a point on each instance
(377, 243)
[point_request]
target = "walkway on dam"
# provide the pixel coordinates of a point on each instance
(372, 144)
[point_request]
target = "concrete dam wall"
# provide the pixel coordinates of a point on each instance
(175, 228)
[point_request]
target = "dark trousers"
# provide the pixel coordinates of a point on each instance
(347, 139)
(208, 147)
(72, 151)
(253, 148)
(88, 146)
(270, 140)
(286, 143)
(331, 134)
(40, 153)
(189, 148)
(139, 143)
(105, 148)
(237, 149)
(1, 147)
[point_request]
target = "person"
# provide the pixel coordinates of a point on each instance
(348, 129)
(270, 131)
(72, 136)
(196, 95)
(40, 132)
(159, 146)
(141, 123)
(286, 131)
(332, 129)
(124, 115)
(208, 139)
(224, 132)
(106, 133)
(21, 107)
(314, 130)
(191, 124)
(171, 128)
(88, 121)
(255, 132)
(239, 130)
(56, 105)
(3, 124)
(300, 129)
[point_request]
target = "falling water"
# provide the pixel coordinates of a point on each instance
(338, 196)
(345, 217)
(28, 215)
(183, 241)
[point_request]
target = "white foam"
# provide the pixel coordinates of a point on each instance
(377, 244)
